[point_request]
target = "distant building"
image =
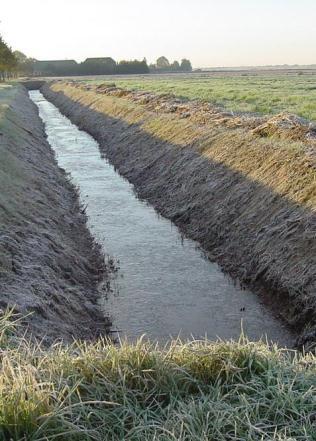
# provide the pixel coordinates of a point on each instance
(91, 66)
(101, 60)
(99, 65)
(55, 67)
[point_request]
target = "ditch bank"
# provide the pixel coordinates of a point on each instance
(50, 265)
(243, 187)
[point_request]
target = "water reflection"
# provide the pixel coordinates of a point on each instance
(166, 287)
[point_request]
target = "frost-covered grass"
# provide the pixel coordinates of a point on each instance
(265, 94)
(200, 390)
(12, 174)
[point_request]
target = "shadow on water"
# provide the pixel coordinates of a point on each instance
(164, 285)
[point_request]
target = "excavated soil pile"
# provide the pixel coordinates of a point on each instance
(49, 263)
(244, 187)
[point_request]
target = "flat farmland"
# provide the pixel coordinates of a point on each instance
(260, 92)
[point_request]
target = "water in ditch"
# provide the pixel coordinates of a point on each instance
(164, 285)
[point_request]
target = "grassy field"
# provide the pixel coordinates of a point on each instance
(185, 392)
(259, 93)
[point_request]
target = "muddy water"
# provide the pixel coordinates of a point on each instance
(164, 286)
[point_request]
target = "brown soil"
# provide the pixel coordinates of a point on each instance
(49, 263)
(248, 197)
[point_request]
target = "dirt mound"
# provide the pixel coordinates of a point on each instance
(287, 126)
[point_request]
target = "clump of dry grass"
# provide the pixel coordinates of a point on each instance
(199, 390)
(285, 126)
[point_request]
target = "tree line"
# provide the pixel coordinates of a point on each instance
(163, 65)
(13, 63)
(106, 66)
(8, 61)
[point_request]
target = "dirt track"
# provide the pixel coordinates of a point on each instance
(49, 264)
(259, 224)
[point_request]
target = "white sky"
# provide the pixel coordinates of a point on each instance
(209, 32)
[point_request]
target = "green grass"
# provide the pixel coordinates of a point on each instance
(252, 93)
(194, 391)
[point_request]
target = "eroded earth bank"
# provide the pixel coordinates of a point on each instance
(244, 187)
(49, 263)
